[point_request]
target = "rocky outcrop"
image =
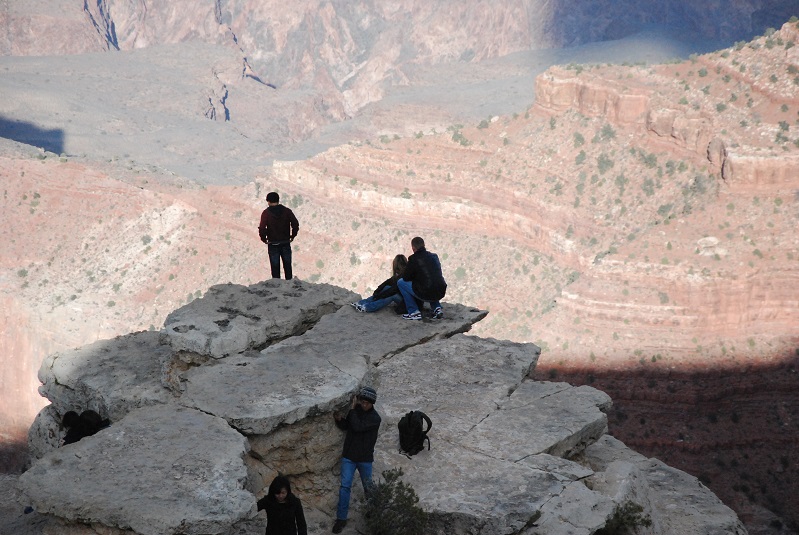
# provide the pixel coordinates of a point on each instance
(752, 174)
(668, 266)
(116, 479)
(559, 90)
(628, 102)
(200, 426)
(36, 29)
(634, 102)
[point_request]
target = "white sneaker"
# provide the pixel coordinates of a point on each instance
(438, 313)
(413, 316)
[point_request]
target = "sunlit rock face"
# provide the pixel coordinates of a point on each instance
(692, 259)
(241, 385)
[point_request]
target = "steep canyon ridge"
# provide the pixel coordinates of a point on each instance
(631, 213)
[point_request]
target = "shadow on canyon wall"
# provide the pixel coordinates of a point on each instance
(51, 140)
(735, 428)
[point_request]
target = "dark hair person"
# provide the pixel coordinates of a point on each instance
(277, 229)
(284, 515)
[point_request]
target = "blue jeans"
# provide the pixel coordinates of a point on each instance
(278, 251)
(347, 473)
(370, 304)
(406, 289)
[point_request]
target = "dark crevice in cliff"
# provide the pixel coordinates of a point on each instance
(223, 101)
(105, 27)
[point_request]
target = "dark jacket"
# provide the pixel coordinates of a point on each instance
(387, 288)
(361, 427)
(283, 518)
(278, 225)
(424, 271)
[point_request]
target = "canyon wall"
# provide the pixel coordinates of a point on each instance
(348, 53)
(637, 222)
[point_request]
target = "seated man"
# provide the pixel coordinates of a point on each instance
(423, 280)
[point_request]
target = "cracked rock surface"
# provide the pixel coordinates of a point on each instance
(242, 384)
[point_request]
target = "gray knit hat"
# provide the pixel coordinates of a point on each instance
(368, 393)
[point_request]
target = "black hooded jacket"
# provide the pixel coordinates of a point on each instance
(387, 288)
(278, 225)
(361, 427)
(285, 518)
(424, 271)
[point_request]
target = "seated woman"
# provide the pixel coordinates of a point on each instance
(387, 292)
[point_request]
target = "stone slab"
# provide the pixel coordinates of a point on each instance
(680, 503)
(111, 377)
(472, 493)
(542, 417)
(231, 318)
(257, 394)
(161, 470)
(457, 381)
(314, 373)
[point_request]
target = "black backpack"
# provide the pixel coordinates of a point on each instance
(412, 433)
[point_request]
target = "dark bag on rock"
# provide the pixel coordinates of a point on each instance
(412, 432)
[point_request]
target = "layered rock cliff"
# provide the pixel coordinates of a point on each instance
(645, 242)
(348, 55)
(241, 384)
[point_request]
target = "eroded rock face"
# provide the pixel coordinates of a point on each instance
(558, 90)
(352, 54)
(111, 377)
(193, 459)
(148, 473)
(231, 319)
(679, 512)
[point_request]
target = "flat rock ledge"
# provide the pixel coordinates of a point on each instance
(81, 482)
(241, 384)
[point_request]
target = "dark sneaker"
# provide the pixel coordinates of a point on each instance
(413, 316)
(438, 313)
(339, 525)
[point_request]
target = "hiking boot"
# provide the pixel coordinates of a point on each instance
(339, 525)
(412, 316)
(438, 313)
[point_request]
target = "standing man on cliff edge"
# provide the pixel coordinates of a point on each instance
(277, 230)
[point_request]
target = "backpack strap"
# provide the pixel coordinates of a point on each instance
(426, 418)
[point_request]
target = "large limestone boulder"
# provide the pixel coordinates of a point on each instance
(678, 502)
(489, 470)
(111, 377)
(149, 474)
(313, 373)
(231, 318)
(207, 411)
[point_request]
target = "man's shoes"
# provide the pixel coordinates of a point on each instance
(357, 306)
(438, 313)
(412, 316)
(339, 525)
